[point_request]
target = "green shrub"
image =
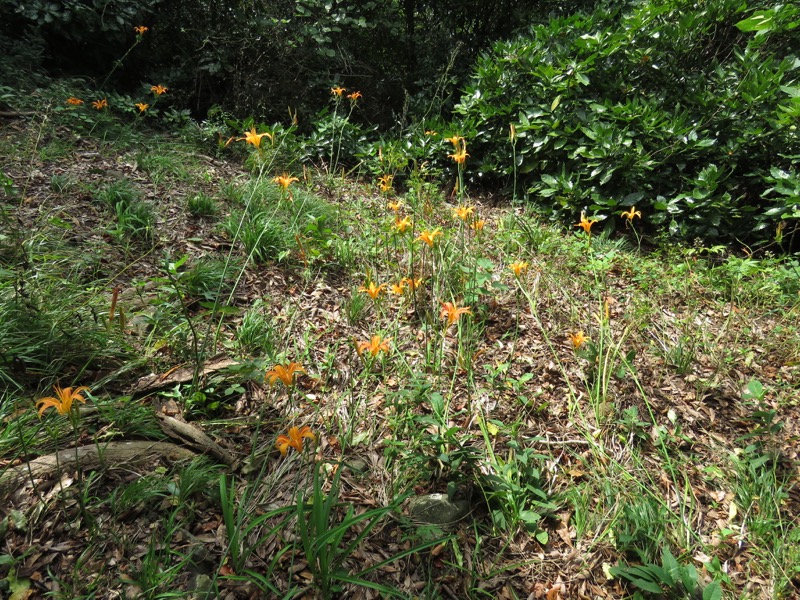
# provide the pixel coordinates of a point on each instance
(676, 108)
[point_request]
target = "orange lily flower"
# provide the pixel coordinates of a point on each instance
(385, 182)
(452, 313)
(430, 132)
(578, 339)
(63, 402)
(429, 236)
(73, 101)
(338, 91)
(395, 206)
(142, 106)
(251, 137)
(519, 267)
(284, 374)
(478, 225)
(460, 156)
(455, 140)
(463, 212)
(402, 224)
(373, 290)
(585, 223)
(354, 96)
(398, 288)
(412, 283)
(294, 439)
(158, 89)
(632, 213)
(141, 30)
(100, 104)
(284, 180)
(374, 346)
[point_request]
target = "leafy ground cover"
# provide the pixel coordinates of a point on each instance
(282, 367)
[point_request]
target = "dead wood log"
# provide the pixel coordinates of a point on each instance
(194, 437)
(112, 454)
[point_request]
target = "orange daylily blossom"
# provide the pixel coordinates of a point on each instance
(141, 30)
(402, 224)
(518, 267)
(294, 439)
(374, 346)
(158, 89)
(395, 206)
(429, 236)
(373, 291)
(478, 225)
(455, 140)
(73, 101)
(354, 96)
(585, 223)
(578, 339)
(452, 313)
(398, 288)
(100, 104)
(430, 132)
(631, 214)
(284, 180)
(412, 283)
(463, 212)
(251, 137)
(284, 373)
(142, 106)
(338, 91)
(460, 156)
(63, 400)
(385, 182)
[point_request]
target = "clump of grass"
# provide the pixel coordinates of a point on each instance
(202, 205)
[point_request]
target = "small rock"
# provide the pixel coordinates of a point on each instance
(437, 509)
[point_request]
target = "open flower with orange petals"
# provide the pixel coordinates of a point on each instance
(158, 89)
(412, 283)
(398, 288)
(354, 96)
(373, 291)
(478, 225)
(284, 373)
(395, 206)
(254, 138)
(429, 237)
(460, 156)
(519, 267)
(630, 214)
(295, 438)
(142, 106)
(338, 91)
(585, 223)
(376, 345)
(284, 180)
(73, 101)
(463, 212)
(100, 104)
(141, 30)
(402, 224)
(578, 339)
(452, 313)
(63, 400)
(385, 182)
(455, 140)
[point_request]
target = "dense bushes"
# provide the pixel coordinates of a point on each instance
(687, 111)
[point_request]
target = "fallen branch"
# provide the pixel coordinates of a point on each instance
(192, 436)
(112, 454)
(11, 114)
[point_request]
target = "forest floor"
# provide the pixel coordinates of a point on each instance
(606, 407)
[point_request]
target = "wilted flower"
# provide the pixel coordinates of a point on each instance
(512, 133)
(294, 439)
(158, 89)
(385, 182)
(451, 312)
(578, 339)
(373, 291)
(284, 374)
(463, 212)
(518, 267)
(73, 101)
(100, 104)
(63, 400)
(284, 180)
(374, 346)
(585, 223)
(338, 91)
(142, 106)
